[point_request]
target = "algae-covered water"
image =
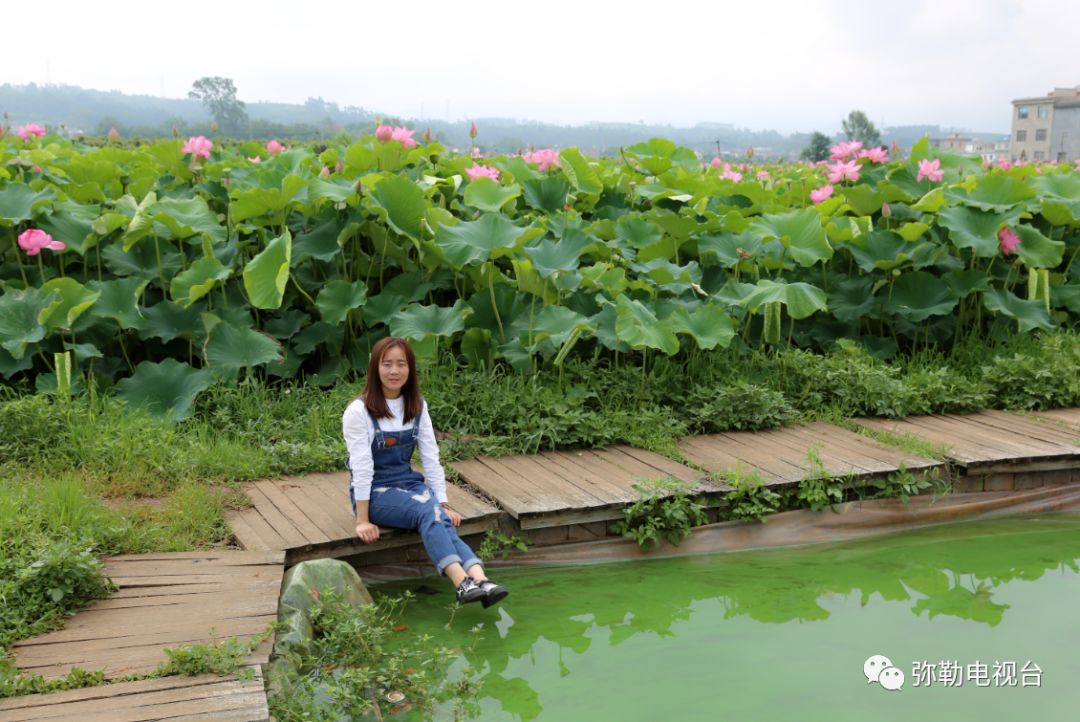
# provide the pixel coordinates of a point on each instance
(784, 634)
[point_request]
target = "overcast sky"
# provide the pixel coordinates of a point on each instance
(764, 64)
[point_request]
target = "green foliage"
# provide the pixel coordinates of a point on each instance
(495, 542)
(1040, 375)
(219, 96)
(820, 488)
(666, 510)
(858, 127)
(817, 149)
(903, 484)
(362, 661)
(749, 497)
(649, 256)
(218, 656)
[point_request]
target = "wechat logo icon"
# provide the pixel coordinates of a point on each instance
(880, 669)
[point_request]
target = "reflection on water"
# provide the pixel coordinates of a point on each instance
(761, 633)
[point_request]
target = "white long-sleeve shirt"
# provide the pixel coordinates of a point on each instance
(359, 430)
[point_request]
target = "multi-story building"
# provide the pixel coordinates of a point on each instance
(1047, 128)
(989, 150)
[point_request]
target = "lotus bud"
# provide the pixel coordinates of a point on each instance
(175, 131)
(885, 210)
(472, 131)
(213, 126)
(339, 166)
(427, 135)
(324, 172)
(113, 134)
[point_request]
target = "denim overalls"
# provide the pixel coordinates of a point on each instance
(401, 499)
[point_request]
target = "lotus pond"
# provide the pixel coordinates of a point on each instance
(784, 634)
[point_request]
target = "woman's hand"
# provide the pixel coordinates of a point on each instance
(367, 532)
(455, 518)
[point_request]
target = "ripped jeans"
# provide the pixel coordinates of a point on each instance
(413, 506)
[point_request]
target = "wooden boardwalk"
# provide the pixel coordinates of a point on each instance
(311, 517)
(990, 441)
(164, 600)
(783, 456)
(571, 487)
(177, 699)
(1069, 418)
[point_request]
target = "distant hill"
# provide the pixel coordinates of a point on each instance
(92, 112)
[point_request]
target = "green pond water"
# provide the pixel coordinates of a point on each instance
(784, 634)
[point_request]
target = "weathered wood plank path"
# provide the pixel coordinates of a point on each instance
(164, 600)
(563, 487)
(785, 456)
(178, 699)
(311, 517)
(991, 441)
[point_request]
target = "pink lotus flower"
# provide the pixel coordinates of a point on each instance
(716, 162)
(731, 175)
(274, 148)
(545, 158)
(113, 134)
(198, 145)
(842, 150)
(384, 133)
(404, 136)
(325, 172)
(1008, 240)
(930, 169)
(875, 155)
(820, 194)
(1004, 164)
(33, 240)
(256, 159)
(482, 171)
(762, 175)
(843, 170)
(476, 152)
(25, 131)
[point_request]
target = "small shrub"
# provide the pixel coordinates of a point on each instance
(495, 542)
(666, 510)
(750, 497)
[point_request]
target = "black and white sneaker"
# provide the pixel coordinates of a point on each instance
(469, 591)
(493, 593)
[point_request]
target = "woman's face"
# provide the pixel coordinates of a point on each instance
(393, 372)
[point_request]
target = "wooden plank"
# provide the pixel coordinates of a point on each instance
(958, 451)
(309, 531)
(274, 517)
(982, 446)
(661, 463)
(1065, 417)
(1013, 424)
(630, 470)
(798, 447)
(829, 443)
(316, 509)
(982, 427)
(220, 557)
(173, 698)
(487, 481)
(877, 450)
(508, 492)
(468, 505)
(266, 534)
(778, 460)
(603, 490)
(714, 452)
(244, 533)
(546, 498)
(568, 463)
